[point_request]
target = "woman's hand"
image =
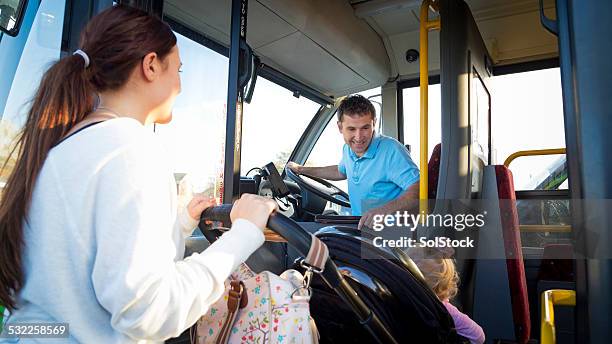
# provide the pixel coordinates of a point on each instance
(198, 204)
(254, 208)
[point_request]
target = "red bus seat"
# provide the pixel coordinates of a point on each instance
(514, 254)
(433, 171)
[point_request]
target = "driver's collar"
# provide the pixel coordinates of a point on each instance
(371, 151)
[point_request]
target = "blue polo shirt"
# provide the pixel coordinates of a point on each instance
(380, 175)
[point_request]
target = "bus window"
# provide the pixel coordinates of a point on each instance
(31, 52)
(272, 124)
(375, 97)
(527, 114)
(480, 106)
(326, 152)
(328, 149)
(412, 119)
(544, 222)
(195, 137)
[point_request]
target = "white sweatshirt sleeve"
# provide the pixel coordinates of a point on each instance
(134, 275)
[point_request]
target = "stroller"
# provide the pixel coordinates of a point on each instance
(371, 300)
(390, 285)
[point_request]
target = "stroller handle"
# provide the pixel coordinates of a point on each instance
(300, 239)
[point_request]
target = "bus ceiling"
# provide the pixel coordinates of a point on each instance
(334, 48)
(511, 31)
(320, 44)
(342, 47)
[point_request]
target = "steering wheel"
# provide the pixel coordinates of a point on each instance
(320, 187)
(300, 239)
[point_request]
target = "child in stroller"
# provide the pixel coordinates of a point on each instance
(438, 268)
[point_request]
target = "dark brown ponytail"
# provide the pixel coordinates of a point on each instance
(115, 41)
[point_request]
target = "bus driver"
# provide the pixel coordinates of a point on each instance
(378, 168)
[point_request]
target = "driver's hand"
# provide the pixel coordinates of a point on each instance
(253, 208)
(296, 168)
(366, 219)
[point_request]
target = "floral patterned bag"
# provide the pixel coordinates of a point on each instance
(264, 308)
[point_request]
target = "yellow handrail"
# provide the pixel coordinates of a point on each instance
(533, 152)
(546, 228)
(550, 298)
(426, 26)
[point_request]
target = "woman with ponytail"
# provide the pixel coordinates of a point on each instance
(90, 234)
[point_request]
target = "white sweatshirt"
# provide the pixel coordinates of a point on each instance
(104, 245)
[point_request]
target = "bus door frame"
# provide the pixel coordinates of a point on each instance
(585, 69)
(76, 17)
(235, 99)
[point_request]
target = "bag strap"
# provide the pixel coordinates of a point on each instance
(317, 254)
(236, 299)
(90, 120)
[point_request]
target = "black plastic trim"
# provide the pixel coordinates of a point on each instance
(195, 36)
(21, 12)
(526, 66)
(293, 85)
(542, 194)
(400, 113)
(76, 15)
(154, 7)
(433, 80)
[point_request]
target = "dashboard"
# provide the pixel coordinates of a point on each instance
(293, 201)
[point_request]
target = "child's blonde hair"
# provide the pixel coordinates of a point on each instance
(438, 269)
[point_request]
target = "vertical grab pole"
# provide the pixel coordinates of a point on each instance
(233, 135)
(426, 25)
